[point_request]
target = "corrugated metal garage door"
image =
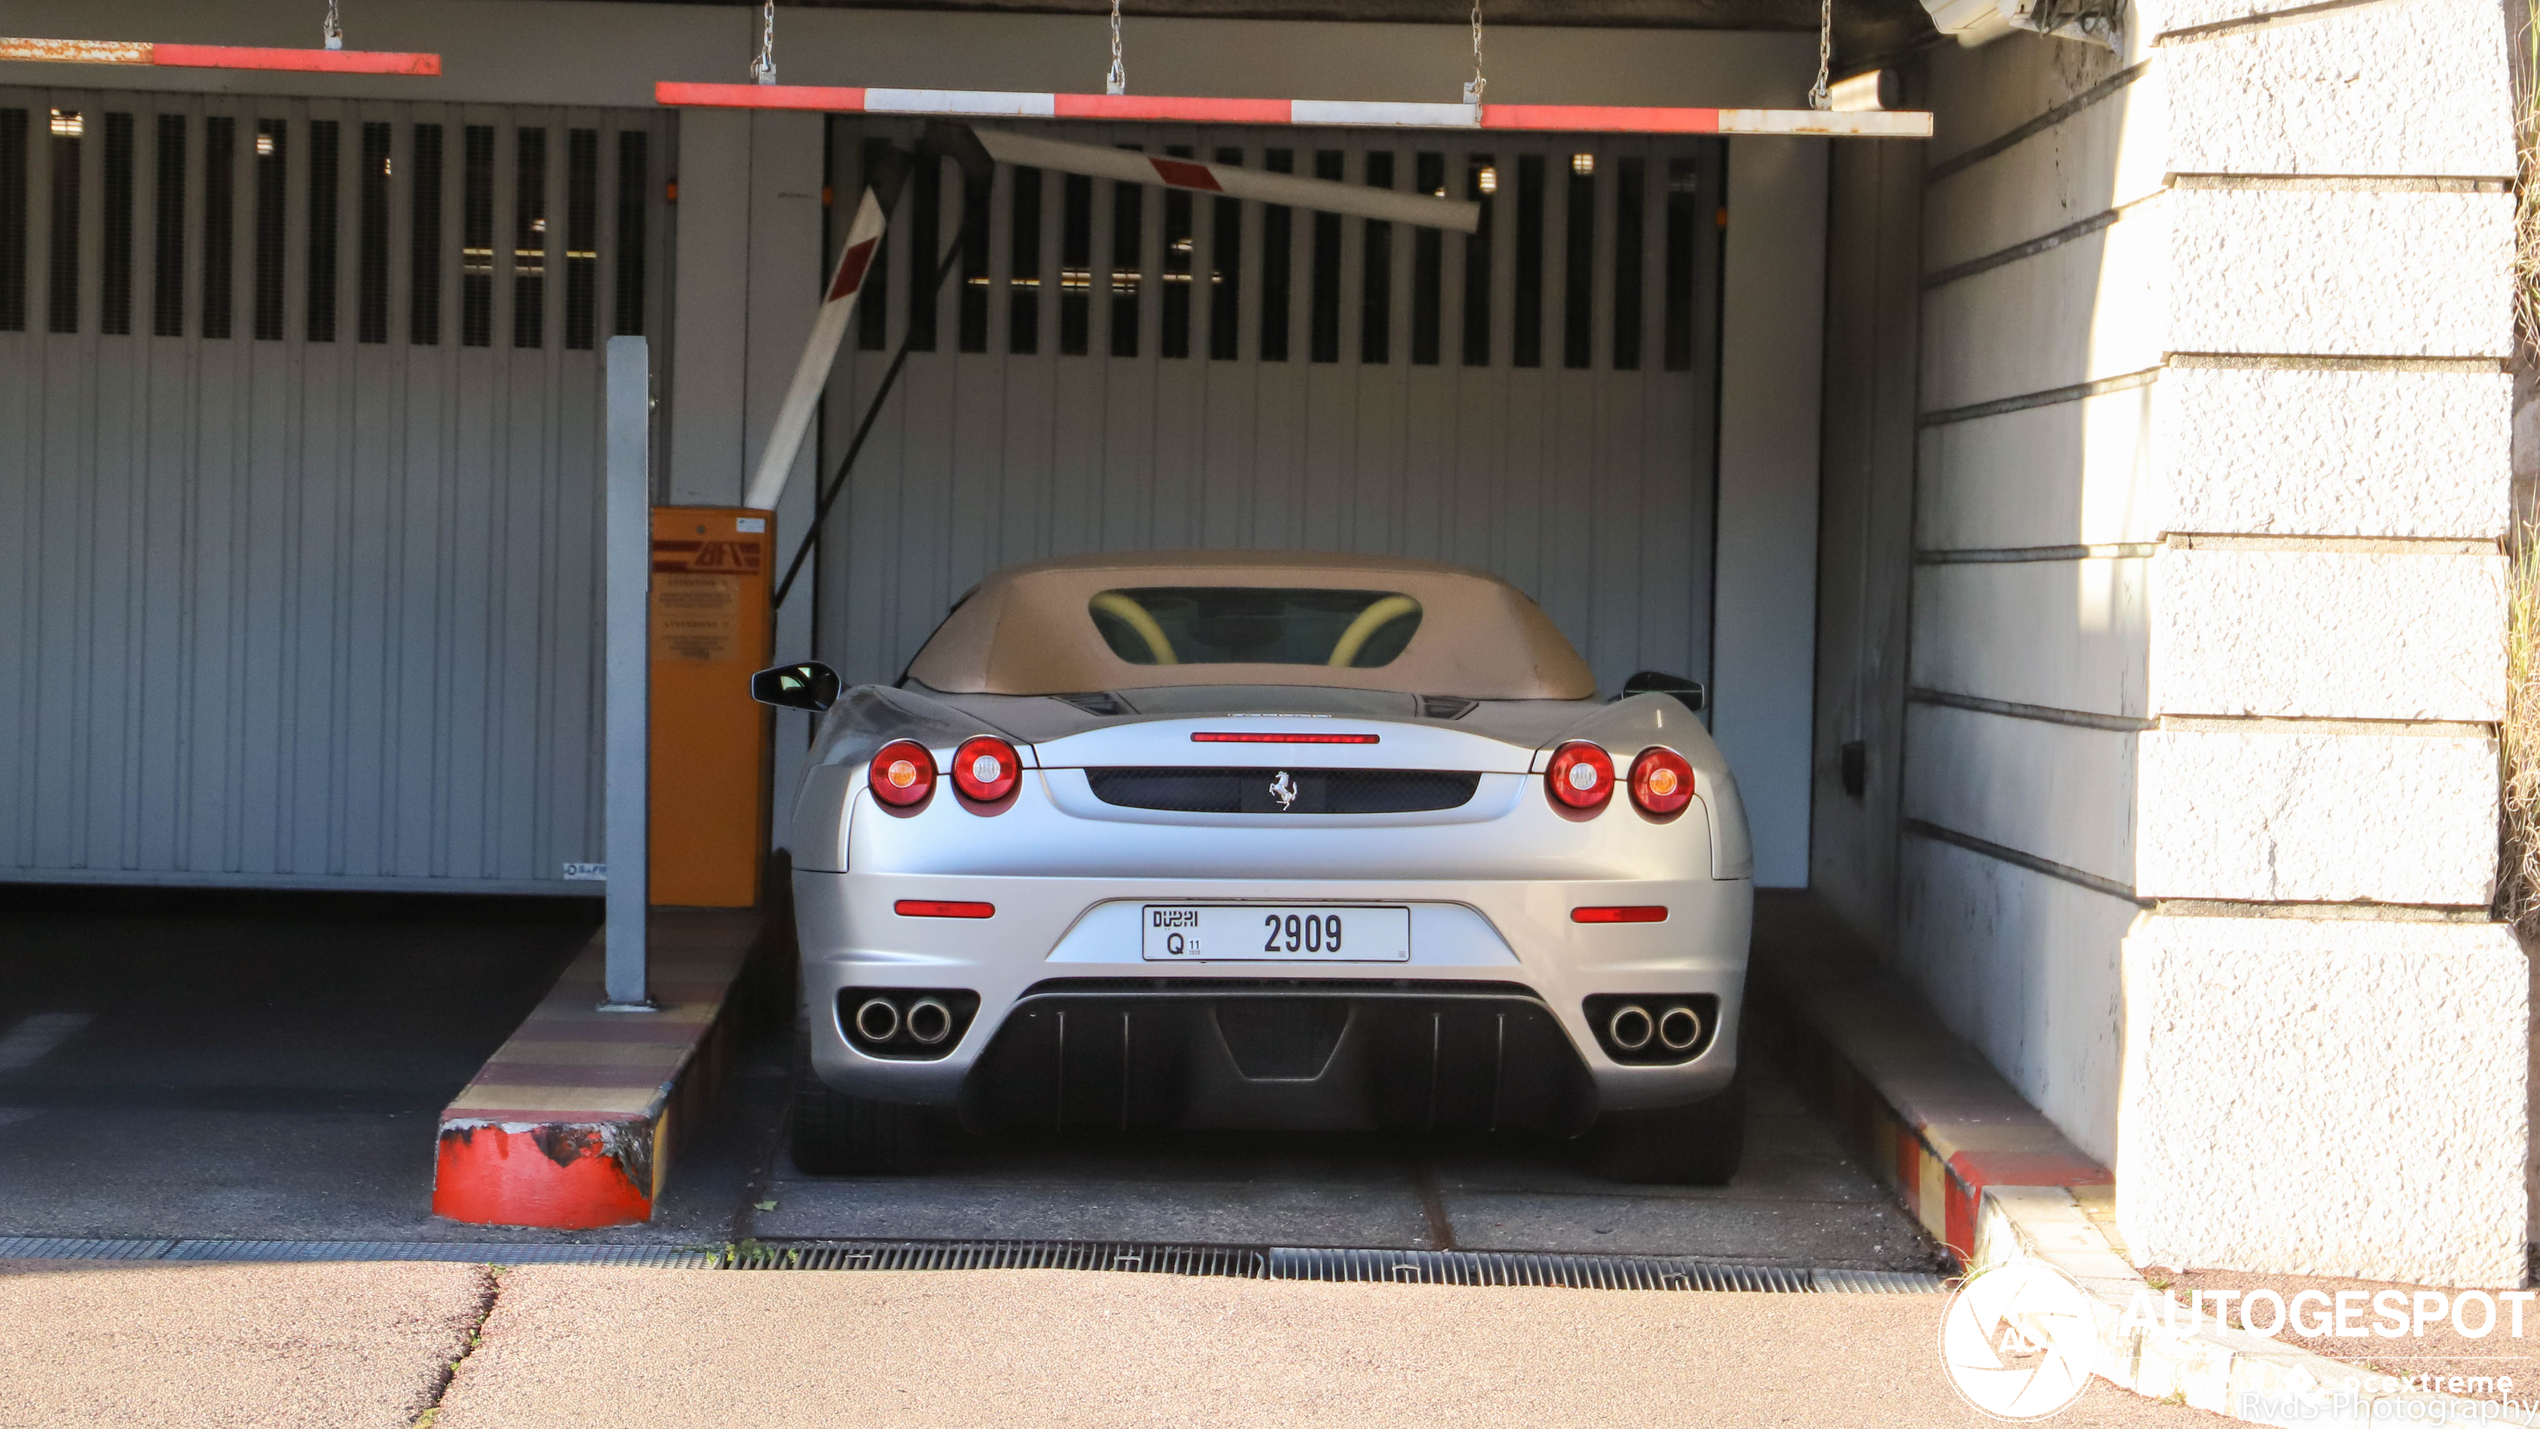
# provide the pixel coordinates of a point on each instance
(299, 447)
(1124, 368)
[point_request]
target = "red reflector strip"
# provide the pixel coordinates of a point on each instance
(1644, 914)
(838, 99)
(1190, 109)
(1211, 737)
(1183, 174)
(306, 61)
(935, 908)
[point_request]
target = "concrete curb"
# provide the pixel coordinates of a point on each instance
(1935, 1120)
(570, 1124)
(2161, 1349)
(1993, 1181)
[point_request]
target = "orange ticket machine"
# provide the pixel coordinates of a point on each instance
(711, 629)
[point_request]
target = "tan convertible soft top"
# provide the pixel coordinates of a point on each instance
(1027, 629)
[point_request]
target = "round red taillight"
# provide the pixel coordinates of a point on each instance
(903, 773)
(1662, 782)
(1581, 776)
(985, 768)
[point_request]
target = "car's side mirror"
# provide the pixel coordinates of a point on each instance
(809, 686)
(1654, 682)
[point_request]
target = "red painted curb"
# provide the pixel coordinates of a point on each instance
(557, 1177)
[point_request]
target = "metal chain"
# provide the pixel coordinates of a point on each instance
(1116, 82)
(1473, 88)
(764, 67)
(334, 26)
(1820, 97)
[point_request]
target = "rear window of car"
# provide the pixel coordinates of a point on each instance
(1255, 625)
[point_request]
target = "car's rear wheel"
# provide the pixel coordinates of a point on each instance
(1697, 1145)
(839, 1135)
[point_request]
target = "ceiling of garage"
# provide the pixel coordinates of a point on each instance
(1863, 28)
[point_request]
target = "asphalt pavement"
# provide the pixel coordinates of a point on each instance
(551, 1347)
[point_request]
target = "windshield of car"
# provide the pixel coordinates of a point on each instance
(1256, 625)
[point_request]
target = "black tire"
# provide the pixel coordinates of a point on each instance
(1697, 1145)
(839, 1135)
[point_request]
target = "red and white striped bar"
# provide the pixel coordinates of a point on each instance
(143, 52)
(1007, 104)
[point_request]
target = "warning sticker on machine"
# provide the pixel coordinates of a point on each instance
(696, 617)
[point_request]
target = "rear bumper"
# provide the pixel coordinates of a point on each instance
(1497, 968)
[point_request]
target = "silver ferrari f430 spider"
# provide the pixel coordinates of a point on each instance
(1265, 840)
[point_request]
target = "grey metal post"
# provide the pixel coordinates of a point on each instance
(626, 768)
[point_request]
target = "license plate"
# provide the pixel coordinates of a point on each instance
(1258, 933)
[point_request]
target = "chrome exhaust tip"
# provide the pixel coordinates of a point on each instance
(1679, 1028)
(878, 1020)
(1630, 1028)
(929, 1021)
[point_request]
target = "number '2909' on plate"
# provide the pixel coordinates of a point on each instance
(1257, 932)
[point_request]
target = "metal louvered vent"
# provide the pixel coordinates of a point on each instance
(1307, 791)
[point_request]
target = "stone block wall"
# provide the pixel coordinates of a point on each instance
(2205, 612)
(2317, 800)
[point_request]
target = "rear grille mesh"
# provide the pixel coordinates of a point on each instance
(1307, 791)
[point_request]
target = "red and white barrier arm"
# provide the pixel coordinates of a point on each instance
(828, 329)
(1007, 104)
(1131, 166)
(144, 52)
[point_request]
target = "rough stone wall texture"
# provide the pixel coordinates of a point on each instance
(2325, 1098)
(2162, 18)
(2332, 453)
(2268, 816)
(2254, 242)
(2343, 634)
(2346, 94)
(2340, 271)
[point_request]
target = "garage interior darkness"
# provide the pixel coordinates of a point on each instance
(302, 451)
(300, 423)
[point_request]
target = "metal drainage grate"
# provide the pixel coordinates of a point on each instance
(1579, 1272)
(245, 1251)
(470, 1252)
(1239, 1262)
(38, 1247)
(1408, 1267)
(1412, 1267)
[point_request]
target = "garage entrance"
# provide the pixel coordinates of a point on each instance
(303, 404)
(1124, 368)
